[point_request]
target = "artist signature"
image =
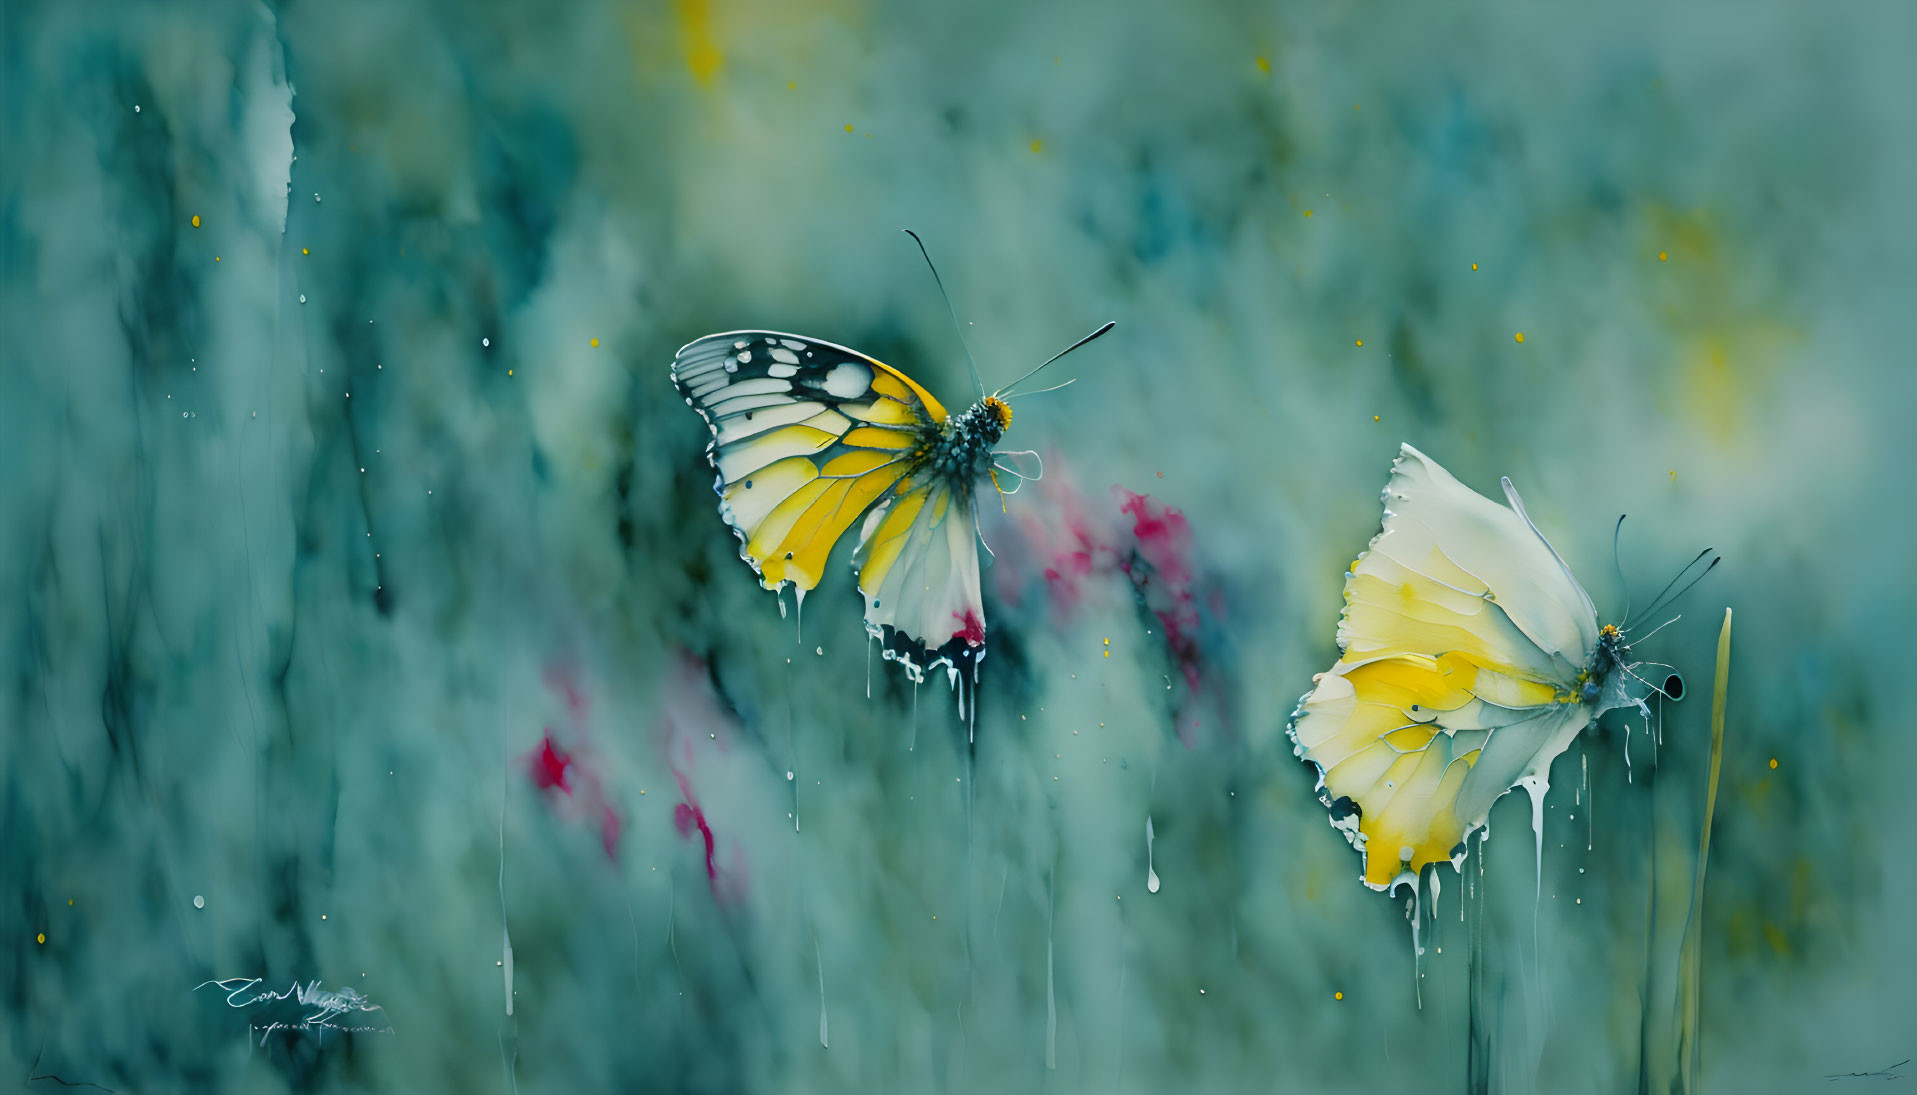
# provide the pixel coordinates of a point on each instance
(325, 1007)
(1889, 1073)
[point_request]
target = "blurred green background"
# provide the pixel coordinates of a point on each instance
(343, 478)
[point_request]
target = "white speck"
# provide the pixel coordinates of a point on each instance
(485, 342)
(136, 108)
(302, 298)
(316, 198)
(788, 776)
(199, 902)
(819, 650)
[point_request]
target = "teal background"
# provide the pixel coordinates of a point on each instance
(311, 515)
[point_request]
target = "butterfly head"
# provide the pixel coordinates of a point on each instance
(1000, 410)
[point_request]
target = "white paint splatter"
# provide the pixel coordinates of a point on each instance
(1151, 873)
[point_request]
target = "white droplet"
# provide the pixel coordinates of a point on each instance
(819, 650)
(485, 342)
(199, 902)
(788, 775)
(302, 298)
(136, 108)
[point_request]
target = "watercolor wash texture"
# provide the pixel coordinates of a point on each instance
(389, 708)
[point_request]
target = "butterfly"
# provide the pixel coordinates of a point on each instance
(1471, 659)
(810, 438)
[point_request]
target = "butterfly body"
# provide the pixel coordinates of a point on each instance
(961, 449)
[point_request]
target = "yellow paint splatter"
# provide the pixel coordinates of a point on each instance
(1307, 212)
(1519, 336)
(216, 258)
(1361, 342)
(1474, 266)
(1673, 475)
(43, 937)
(848, 127)
(1662, 256)
(196, 220)
(792, 85)
(1038, 145)
(1337, 996)
(1264, 66)
(595, 343)
(1374, 418)
(695, 36)
(1773, 762)
(304, 251)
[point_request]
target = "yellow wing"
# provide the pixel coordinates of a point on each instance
(918, 569)
(1463, 635)
(806, 436)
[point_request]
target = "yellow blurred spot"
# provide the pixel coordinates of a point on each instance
(1354, 106)
(595, 343)
(792, 85)
(1038, 145)
(43, 937)
(1337, 996)
(1374, 418)
(695, 35)
(848, 127)
(509, 372)
(304, 251)
(196, 220)
(1519, 336)
(216, 258)
(1474, 266)
(1264, 66)
(1108, 653)
(1673, 475)
(1661, 256)
(69, 901)
(1307, 212)
(1773, 762)
(1108, 642)
(1361, 342)
(1354, 563)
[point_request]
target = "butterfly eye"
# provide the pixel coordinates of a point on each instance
(1674, 686)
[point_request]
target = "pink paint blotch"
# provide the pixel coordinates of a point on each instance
(971, 628)
(547, 765)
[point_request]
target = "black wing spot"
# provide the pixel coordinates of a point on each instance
(1345, 807)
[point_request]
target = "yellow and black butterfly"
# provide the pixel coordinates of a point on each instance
(1471, 659)
(809, 437)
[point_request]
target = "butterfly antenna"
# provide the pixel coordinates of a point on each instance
(1618, 565)
(1042, 391)
(1109, 324)
(1663, 601)
(949, 310)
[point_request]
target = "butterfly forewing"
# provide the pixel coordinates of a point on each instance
(806, 437)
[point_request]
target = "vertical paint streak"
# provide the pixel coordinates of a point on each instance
(1051, 998)
(824, 1042)
(1690, 967)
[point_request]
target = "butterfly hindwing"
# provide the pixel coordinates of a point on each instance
(806, 437)
(1463, 634)
(918, 571)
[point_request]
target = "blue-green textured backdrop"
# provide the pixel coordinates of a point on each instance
(368, 623)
